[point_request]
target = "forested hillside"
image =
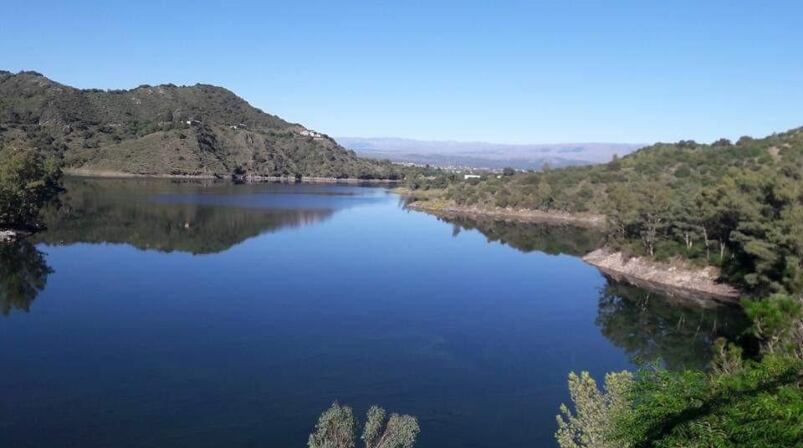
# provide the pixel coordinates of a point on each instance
(167, 129)
(738, 205)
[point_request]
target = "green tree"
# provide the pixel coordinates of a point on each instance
(336, 428)
(756, 405)
(27, 182)
(777, 324)
(397, 431)
(588, 426)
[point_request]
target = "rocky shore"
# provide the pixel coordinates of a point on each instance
(674, 279)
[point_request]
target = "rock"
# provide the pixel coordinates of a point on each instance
(7, 236)
(685, 281)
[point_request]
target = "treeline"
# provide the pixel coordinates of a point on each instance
(736, 205)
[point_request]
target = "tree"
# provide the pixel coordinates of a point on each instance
(757, 404)
(589, 425)
(722, 143)
(654, 205)
(336, 428)
(398, 431)
(777, 324)
(544, 193)
(615, 164)
(27, 182)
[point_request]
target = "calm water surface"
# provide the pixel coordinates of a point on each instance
(164, 314)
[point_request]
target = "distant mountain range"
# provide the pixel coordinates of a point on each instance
(167, 129)
(482, 155)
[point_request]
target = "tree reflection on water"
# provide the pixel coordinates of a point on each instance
(652, 327)
(23, 274)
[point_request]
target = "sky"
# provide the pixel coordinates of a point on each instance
(498, 71)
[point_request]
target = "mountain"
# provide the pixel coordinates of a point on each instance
(485, 155)
(167, 129)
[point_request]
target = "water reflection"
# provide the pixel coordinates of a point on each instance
(190, 216)
(651, 327)
(527, 237)
(23, 274)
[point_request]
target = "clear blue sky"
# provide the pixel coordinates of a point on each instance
(500, 71)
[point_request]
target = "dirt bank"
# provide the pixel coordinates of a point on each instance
(675, 279)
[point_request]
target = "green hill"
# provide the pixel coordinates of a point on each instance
(167, 129)
(738, 205)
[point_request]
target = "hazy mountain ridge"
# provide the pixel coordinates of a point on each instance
(167, 129)
(486, 155)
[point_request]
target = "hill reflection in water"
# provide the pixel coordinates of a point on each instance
(199, 217)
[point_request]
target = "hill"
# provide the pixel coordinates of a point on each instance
(167, 130)
(736, 205)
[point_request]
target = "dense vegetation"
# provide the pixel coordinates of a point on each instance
(738, 205)
(742, 401)
(167, 129)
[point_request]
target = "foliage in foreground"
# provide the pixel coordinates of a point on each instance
(27, 182)
(759, 404)
(588, 426)
(738, 403)
(337, 428)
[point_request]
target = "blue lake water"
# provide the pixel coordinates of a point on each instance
(175, 314)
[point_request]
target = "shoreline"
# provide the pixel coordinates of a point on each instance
(528, 216)
(677, 280)
(109, 174)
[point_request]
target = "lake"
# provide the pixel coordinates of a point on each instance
(158, 313)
